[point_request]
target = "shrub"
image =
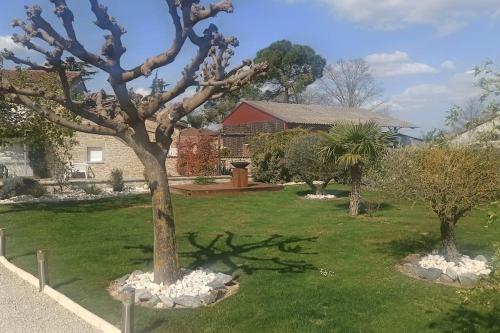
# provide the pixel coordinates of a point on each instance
(90, 189)
(197, 156)
(452, 180)
(267, 152)
(303, 159)
(204, 180)
(116, 179)
(17, 186)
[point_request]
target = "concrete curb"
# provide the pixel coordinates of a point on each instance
(62, 300)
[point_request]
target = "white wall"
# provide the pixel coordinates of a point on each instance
(13, 156)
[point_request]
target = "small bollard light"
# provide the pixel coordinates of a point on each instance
(128, 325)
(2, 242)
(43, 270)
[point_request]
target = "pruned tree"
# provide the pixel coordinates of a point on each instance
(451, 180)
(124, 114)
(348, 83)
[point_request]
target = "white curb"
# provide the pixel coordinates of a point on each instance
(64, 301)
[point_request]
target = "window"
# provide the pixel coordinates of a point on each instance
(94, 155)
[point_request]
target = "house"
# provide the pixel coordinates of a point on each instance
(95, 155)
(486, 131)
(252, 117)
(92, 156)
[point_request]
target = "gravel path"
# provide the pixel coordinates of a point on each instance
(23, 309)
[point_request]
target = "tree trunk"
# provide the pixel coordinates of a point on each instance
(324, 185)
(448, 239)
(355, 191)
(312, 186)
(166, 261)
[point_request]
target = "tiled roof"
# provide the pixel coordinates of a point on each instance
(325, 115)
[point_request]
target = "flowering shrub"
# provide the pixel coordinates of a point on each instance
(197, 157)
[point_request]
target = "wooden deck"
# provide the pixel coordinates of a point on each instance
(222, 189)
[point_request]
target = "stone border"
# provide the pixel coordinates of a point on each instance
(410, 267)
(62, 300)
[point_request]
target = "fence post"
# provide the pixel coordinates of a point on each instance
(128, 325)
(43, 270)
(2, 242)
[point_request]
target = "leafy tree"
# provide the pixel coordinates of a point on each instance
(267, 152)
(303, 159)
(348, 83)
(353, 147)
(292, 68)
(452, 180)
(158, 85)
(124, 114)
(197, 157)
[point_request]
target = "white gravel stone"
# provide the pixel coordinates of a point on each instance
(193, 284)
(465, 265)
(74, 194)
(320, 196)
(24, 309)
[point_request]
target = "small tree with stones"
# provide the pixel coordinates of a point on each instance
(124, 114)
(303, 159)
(452, 180)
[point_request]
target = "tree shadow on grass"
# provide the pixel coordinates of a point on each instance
(236, 255)
(425, 243)
(400, 248)
(467, 320)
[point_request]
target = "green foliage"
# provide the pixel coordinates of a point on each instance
(202, 180)
(90, 189)
(33, 129)
(351, 144)
(116, 180)
(303, 159)
(435, 136)
(267, 152)
(292, 68)
(17, 186)
(453, 180)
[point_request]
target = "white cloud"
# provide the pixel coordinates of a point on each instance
(426, 104)
(448, 64)
(395, 64)
(142, 91)
(7, 43)
(447, 16)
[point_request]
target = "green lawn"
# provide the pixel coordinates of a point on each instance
(276, 243)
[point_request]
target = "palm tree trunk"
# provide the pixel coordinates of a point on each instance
(355, 190)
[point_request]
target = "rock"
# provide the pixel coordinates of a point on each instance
(446, 279)
(154, 300)
(481, 258)
(135, 273)
(408, 268)
(167, 301)
(142, 295)
(451, 273)
(220, 281)
(429, 273)
(124, 289)
(468, 280)
(188, 301)
(121, 281)
(210, 297)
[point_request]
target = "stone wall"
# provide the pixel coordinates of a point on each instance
(115, 155)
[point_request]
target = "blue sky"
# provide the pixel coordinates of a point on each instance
(420, 51)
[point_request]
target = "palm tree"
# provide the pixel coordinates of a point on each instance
(352, 146)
